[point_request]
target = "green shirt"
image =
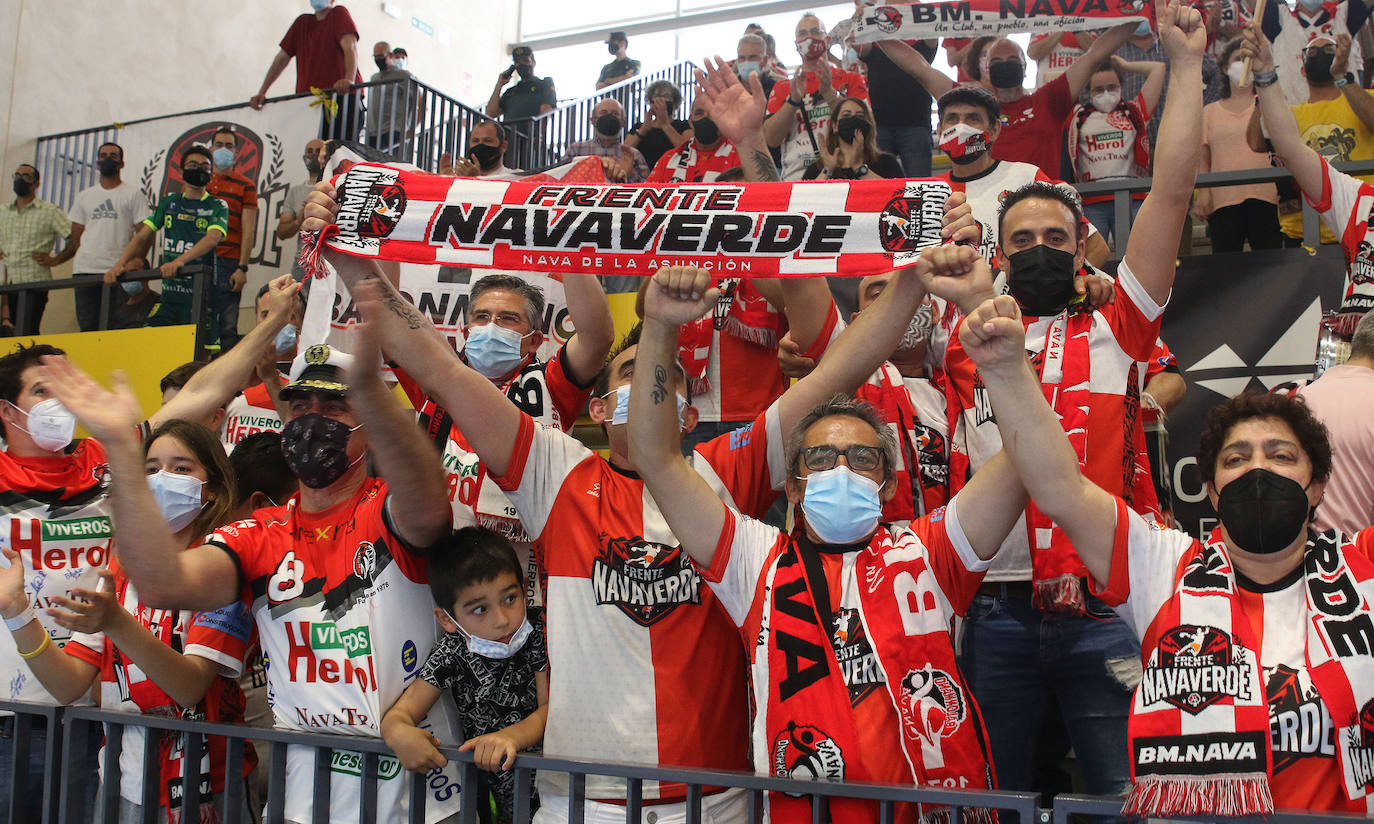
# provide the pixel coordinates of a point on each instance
(183, 223)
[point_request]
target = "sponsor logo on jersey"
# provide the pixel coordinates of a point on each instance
(932, 704)
(646, 580)
(348, 762)
(410, 656)
(62, 545)
(1195, 667)
(1299, 723)
(806, 753)
(858, 664)
(365, 561)
(313, 655)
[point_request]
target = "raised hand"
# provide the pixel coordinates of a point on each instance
(89, 610)
(109, 414)
(320, 207)
(993, 335)
(281, 295)
(1340, 64)
(1255, 46)
(1181, 30)
(959, 225)
(679, 294)
(959, 274)
(737, 109)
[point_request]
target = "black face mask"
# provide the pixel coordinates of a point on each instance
(109, 167)
(312, 165)
(610, 47)
(1263, 512)
(380, 61)
(1009, 74)
(705, 131)
(608, 125)
(1041, 280)
(22, 187)
(316, 449)
(196, 177)
(1318, 66)
(848, 126)
(525, 72)
(485, 155)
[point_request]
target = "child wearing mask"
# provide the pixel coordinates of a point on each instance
(492, 660)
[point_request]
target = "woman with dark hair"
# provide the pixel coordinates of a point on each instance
(1235, 214)
(1258, 683)
(144, 660)
(849, 149)
(660, 131)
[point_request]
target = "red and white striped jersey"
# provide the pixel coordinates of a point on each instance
(689, 164)
(1346, 206)
(985, 192)
(250, 412)
(644, 665)
(1307, 773)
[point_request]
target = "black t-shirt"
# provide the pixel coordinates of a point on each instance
(897, 99)
(655, 143)
(885, 165)
(491, 693)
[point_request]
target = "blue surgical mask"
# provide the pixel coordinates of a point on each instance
(222, 157)
(1143, 29)
(132, 287)
(319, 5)
(1310, 5)
(744, 68)
(493, 350)
(621, 415)
(177, 496)
(841, 507)
(286, 339)
(496, 649)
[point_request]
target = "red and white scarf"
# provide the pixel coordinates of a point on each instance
(740, 311)
(1199, 727)
(808, 717)
(887, 393)
(784, 229)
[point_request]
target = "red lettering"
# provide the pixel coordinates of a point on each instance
(329, 671)
(70, 558)
(54, 559)
(33, 541)
(467, 490)
(298, 650)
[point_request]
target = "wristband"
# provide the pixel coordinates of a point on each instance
(20, 620)
(1264, 80)
(242, 268)
(42, 648)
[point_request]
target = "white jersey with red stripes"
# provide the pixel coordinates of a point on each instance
(644, 664)
(249, 413)
(1346, 206)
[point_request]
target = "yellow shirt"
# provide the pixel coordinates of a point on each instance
(1333, 131)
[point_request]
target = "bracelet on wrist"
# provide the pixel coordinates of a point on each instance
(1264, 80)
(42, 648)
(21, 620)
(1344, 80)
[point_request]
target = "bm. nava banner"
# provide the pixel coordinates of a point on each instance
(976, 18)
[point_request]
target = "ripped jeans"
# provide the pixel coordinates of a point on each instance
(1018, 659)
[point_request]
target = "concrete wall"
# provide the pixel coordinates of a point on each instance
(74, 64)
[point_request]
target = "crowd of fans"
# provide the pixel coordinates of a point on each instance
(299, 549)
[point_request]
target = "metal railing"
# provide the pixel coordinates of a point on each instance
(541, 140)
(65, 783)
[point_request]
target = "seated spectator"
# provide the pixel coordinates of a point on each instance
(621, 68)
(119, 643)
(751, 55)
(1235, 215)
(527, 98)
(660, 131)
(700, 159)
(1107, 140)
(849, 149)
(1335, 400)
(492, 660)
(1265, 461)
(487, 147)
(623, 164)
(798, 111)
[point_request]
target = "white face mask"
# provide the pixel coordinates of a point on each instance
(496, 649)
(1236, 73)
(1106, 101)
(177, 496)
(621, 414)
(51, 425)
(398, 63)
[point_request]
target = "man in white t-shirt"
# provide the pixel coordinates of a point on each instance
(289, 220)
(104, 218)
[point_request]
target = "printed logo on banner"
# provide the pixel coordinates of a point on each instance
(806, 753)
(886, 18)
(1300, 723)
(1195, 667)
(1289, 358)
(371, 202)
(646, 580)
(1360, 737)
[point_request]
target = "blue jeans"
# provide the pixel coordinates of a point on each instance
(1103, 216)
(1018, 660)
(31, 787)
(222, 317)
(911, 144)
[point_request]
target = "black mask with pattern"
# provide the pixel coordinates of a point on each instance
(316, 449)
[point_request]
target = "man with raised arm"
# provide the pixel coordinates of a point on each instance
(1092, 362)
(335, 577)
(851, 682)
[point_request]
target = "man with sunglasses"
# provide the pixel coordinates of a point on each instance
(28, 229)
(847, 621)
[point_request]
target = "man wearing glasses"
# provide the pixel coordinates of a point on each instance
(193, 222)
(28, 229)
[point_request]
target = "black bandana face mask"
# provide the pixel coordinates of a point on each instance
(316, 449)
(1263, 512)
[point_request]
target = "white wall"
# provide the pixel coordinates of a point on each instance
(74, 64)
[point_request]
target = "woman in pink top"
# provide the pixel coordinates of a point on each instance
(1235, 214)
